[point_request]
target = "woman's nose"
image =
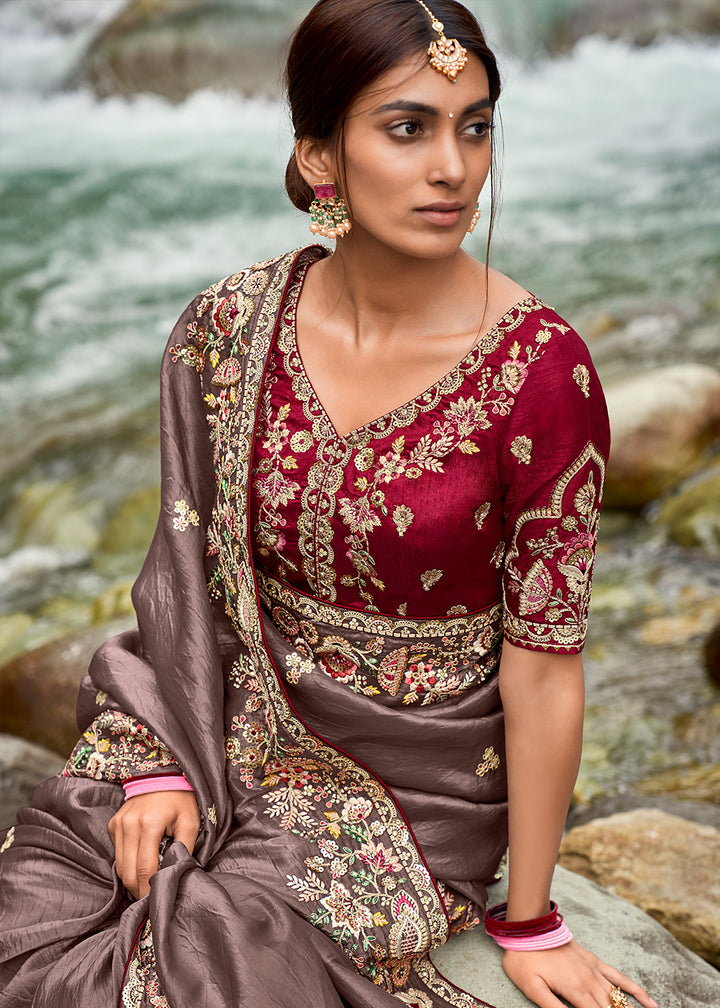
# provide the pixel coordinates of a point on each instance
(447, 164)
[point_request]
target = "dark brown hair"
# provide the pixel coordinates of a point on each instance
(342, 46)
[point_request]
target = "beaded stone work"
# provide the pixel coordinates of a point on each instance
(447, 56)
(328, 212)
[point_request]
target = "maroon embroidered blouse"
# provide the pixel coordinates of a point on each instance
(484, 488)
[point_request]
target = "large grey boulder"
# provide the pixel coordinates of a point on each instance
(174, 47)
(22, 766)
(613, 929)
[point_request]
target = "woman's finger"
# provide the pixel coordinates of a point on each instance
(147, 860)
(117, 838)
(186, 831)
(628, 986)
(539, 992)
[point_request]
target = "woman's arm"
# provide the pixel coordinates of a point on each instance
(543, 697)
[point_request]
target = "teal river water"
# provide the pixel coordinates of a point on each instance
(116, 213)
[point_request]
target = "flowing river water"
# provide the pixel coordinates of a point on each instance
(117, 212)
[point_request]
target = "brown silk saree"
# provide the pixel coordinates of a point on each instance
(344, 834)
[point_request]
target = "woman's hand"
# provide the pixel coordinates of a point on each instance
(138, 828)
(571, 972)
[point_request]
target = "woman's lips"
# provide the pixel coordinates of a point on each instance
(446, 215)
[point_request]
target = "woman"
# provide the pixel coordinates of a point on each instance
(357, 670)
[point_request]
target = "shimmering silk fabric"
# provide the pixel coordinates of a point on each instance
(352, 809)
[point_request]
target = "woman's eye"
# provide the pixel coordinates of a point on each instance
(480, 129)
(407, 128)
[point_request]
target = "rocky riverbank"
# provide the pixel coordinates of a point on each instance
(175, 47)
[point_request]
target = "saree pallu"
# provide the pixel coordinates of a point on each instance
(349, 766)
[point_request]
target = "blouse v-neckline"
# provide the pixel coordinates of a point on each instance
(464, 364)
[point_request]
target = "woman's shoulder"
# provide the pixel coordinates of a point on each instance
(525, 317)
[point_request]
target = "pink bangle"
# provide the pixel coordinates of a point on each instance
(553, 939)
(146, 785)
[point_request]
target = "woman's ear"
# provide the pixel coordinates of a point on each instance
(315, 162)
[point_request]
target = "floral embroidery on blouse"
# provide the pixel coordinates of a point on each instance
(430, 578)
(553, 607)
(522, 449)
(481, 514)
(582, 377)
(387, 463)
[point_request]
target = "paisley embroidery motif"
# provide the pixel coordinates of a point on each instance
(582, 377)
(441, 659)
(569, 538)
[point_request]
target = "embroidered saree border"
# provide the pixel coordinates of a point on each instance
(275, 592)
(414, 919)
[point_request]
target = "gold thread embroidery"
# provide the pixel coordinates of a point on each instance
(185, 516)
(565, 615)
(430, 578)
(582, 377)
(490, 761)
(522, 449)
(8, 840)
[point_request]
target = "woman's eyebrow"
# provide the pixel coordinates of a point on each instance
(401, 105)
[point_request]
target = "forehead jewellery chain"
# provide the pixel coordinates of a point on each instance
(447, 56)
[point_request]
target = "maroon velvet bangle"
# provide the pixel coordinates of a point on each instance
(497, 927)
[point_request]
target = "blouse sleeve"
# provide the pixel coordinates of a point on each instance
(552, 461)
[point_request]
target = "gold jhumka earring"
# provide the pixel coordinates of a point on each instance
(475, 219)
(328, 212)
(447, 56)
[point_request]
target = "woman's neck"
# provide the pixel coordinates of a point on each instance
(383, 294)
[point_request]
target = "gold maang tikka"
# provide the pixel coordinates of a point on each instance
(447, 56)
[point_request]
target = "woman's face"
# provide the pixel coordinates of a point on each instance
(417, 153)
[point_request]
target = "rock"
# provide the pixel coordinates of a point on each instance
(38, 689)
(616, 931)
(699, 782)
(175, 47)
(705, 813)
(692, 515)
(52, 513)
(13, 630)
(663, 864)
(131, 527)
(711, 655)
(639, 22)
(22, 766)
(662, 423)
(699, 732)
(696, 621)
